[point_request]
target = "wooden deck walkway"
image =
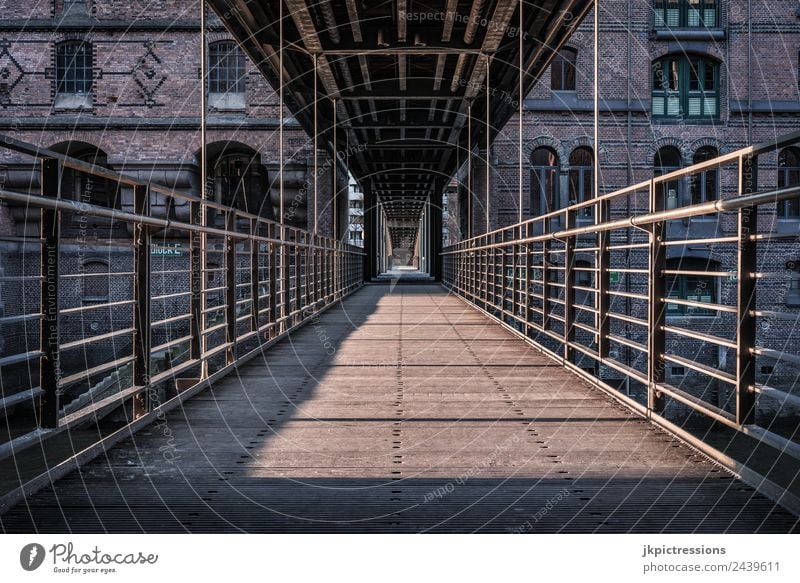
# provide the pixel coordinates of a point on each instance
(402, 410)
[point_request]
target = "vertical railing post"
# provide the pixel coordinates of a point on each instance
(657, 344)
(286, 279)
(272, 276)
(603, 280)
(528, 269)
(546, 279)
(569, 288)
(196, 275)
(255, 274)
(49, 363)
(515, 232)
(299, 253)
(141, 297)
(746, 295)
(230, 287)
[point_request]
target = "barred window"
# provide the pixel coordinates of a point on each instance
(73, 67)
(685, 88)
(226, 68)
(686, 13)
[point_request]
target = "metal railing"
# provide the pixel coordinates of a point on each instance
(225, 285)
(685, 314)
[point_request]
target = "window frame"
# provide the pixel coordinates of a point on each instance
(675, 89)
(227, 68)
(681, 285)
(665, 17)
(64, 63)
(578, 176)
(784, 210)
(563, 65)
(660, 169)
(553, 202)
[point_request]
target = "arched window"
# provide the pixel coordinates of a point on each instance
(685, 87)
(705, 184)
(789, 175)
(562, 70)
(544, 184)
(581, 185)
(73, 75)
(693, 288)
(686, 13)
(239, 181)
(96, 279)
(85, 187)
(667, 159)
(226, 75)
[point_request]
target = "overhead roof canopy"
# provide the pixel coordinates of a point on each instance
(403, 74)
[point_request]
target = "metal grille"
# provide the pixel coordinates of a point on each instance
(226, 68)
(74, 67)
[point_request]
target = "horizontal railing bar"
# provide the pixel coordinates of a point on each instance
(699, 336)
(103, 274)
(170, 320)
(19, 358)
(696, 403)
(709, 307)
(701, 368)
(777, 394)
(170, 343)
(776, 355)
(21, 318)
(170, 296)
(629, 343)
(87, 374)
(100, 338)
(91, 307)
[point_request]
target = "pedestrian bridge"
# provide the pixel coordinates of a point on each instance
(567, 373)
(400, 409)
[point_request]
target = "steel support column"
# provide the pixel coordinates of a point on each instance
(49, 362)
(746, 295)
(141, 297)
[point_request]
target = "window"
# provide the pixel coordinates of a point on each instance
(562, 70)
(685, 87)
(238, 182)
(581, 186)
(73, 72)
(226, 76)
(96, 278)
(75, 8)
(695, 287)
(667, 159)
(544, 183)
(705, 184)
(788, 176)
(686, 13)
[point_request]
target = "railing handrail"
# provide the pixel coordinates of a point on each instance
(719, 161)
